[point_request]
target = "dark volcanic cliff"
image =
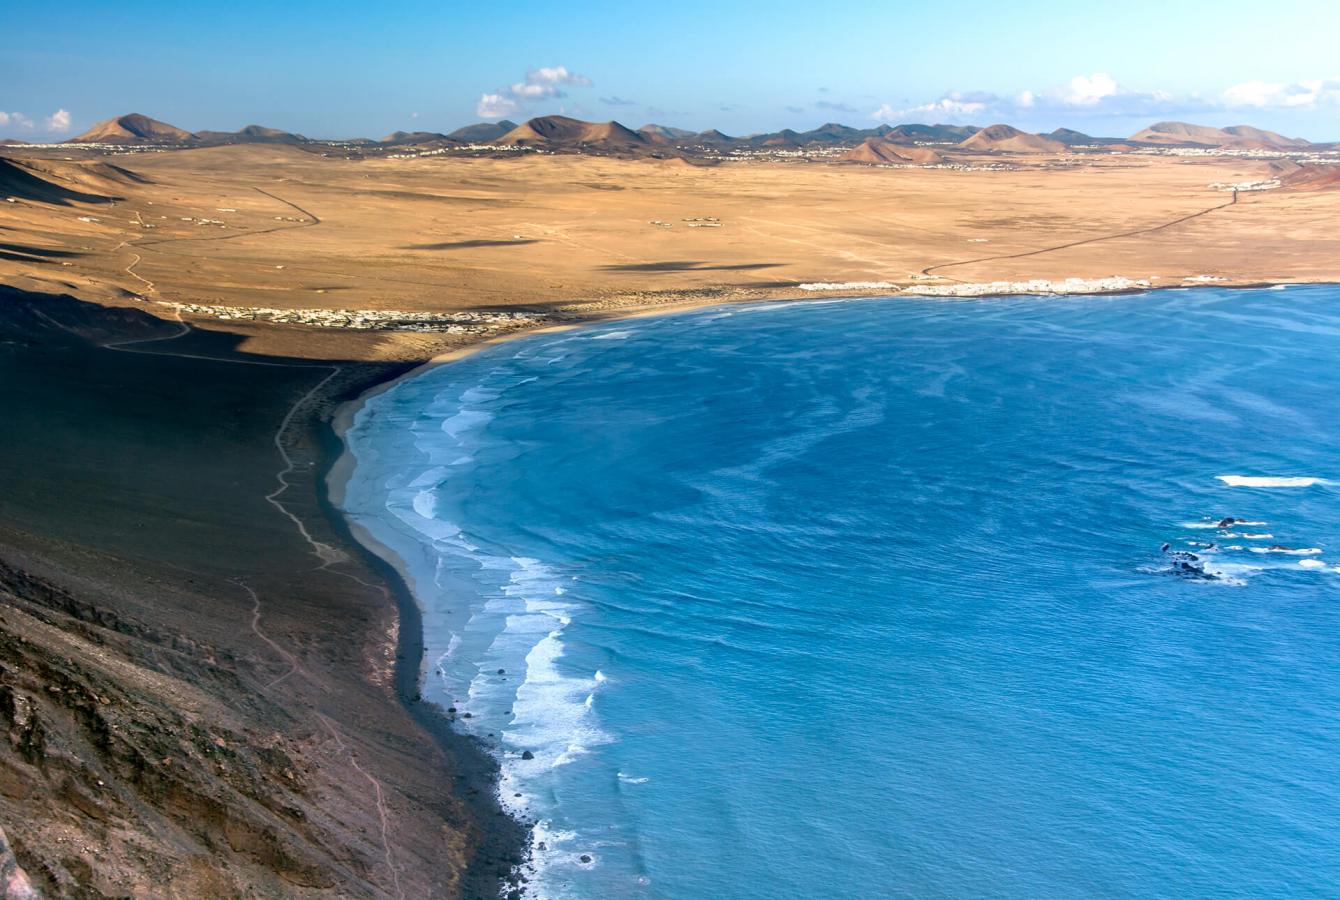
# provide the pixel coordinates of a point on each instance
(192, 702)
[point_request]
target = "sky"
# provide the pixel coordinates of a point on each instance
(336, 69)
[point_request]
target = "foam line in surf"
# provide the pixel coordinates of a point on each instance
(1271, 481)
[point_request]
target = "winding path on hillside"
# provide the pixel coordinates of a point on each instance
(329, 556)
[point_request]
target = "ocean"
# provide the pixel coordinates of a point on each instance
(871, 598)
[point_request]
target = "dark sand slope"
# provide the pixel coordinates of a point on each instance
(193, 701)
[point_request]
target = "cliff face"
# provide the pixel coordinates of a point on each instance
(134, 758)
(192, 703)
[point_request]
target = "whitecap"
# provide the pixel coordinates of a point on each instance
(612, 336)
(1289, 551)
(1269, 481)
(1312, 564)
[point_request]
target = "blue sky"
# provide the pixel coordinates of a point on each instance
(339, 69)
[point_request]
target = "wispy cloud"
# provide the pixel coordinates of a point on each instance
(539, 84)
(954, 105)
(15, 120)
(547, 82)
(835, 107)
(1099, 95)
(1274, 95)
(617, 101)
(59, 121)
(1094, 95)
(495, 106)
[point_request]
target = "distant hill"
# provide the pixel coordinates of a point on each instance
(785, 139)
(1008, 139)
(561, 132)
(251, 134)
(836, 133)
(1236, 137)
(1069, 137)
(1246, 136)
(1181, 133)
(878, 150)
(711, 137)
(62, 182)
(482, 132)
(134, 129)
(412, 137)
(929, 134)
(664, 134)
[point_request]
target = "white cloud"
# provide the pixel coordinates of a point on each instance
(547, 82)
(540, 84)
(954, 105)
(1088, 90)
(495, 106)
(834, 107)
(59, 120)
(1096, 95)
(1274, 95)
(15, 120)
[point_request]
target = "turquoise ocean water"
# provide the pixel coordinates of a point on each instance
(868, 598)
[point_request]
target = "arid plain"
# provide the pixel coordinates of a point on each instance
(567, 237)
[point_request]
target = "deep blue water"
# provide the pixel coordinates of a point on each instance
(866, 598)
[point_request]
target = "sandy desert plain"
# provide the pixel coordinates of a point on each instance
(206, 687)
(570, 237)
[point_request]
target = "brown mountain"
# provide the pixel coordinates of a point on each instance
(1008, 139)
(134, 129)
(836, 133)
(1236, 137)
(785, 139)
(664, 134)
(929, 134)
(711, 137)
(1069, 136)
(879, 151)
(412, 137)
(482, 132)
(561, 132)
(1247, 137)
(251, 134)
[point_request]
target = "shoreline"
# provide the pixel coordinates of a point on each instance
(503, 842)
(411, 661)
(338, 461)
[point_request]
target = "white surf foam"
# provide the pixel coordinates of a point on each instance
(1270, 481)
(1289, 551)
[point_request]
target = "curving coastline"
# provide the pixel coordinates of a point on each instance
(1134, 535)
